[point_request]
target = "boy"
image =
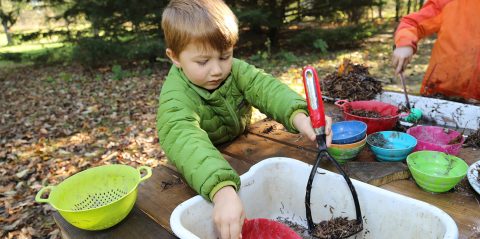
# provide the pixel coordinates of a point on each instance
(206, 100)
(454, 68)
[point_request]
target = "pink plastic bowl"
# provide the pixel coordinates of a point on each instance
(436, 139)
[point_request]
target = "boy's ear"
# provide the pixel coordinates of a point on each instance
(173, 57)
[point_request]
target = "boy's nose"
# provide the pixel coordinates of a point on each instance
(216, 69)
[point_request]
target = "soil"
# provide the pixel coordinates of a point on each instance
(171, 183)
(456, 140)
(478, 173)
(338, 227)
(402, 128)
(335, 228)
(463, 187)
(473, 140)
(299, 229)
(377, 140)
(351, 82)
(269, 129)
(365, 113)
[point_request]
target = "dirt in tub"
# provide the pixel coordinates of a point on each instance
(378, 140)
(364, 113)
(473, 140)
(334, 228)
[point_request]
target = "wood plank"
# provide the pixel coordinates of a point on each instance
(159, 202)
(136, 225)
(377, 173)
(253, 149)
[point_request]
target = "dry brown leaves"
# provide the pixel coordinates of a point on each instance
(57, 121)
(351, 82)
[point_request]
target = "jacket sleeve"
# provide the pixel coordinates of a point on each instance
(268, 94)
(418, 25)
(189, 148)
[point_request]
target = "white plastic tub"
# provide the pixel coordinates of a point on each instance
(275, 187)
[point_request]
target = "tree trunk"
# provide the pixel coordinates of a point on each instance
(409, 4)
(415, 5)
(380, 6)
(9, 37)
(273, 36)
(420, 5)
(397, 10)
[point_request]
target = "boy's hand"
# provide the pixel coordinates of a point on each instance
(304, 126)
(228, 213)
(401, 57)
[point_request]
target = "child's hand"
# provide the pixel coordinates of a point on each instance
(228, 213)
(304, 126)
(401, 57)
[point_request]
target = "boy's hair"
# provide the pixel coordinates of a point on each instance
(208, 22)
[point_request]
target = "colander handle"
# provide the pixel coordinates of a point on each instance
(39, 198)
(147, 169)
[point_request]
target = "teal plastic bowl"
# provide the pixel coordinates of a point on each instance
(435, 171)
(391, 146)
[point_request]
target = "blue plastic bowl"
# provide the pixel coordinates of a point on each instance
(391, 145)
(347, 132)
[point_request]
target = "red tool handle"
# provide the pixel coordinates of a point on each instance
(314, 97)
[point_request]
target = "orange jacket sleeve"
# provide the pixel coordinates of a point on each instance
(418, 25)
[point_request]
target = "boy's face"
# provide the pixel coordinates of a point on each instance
(206, 68)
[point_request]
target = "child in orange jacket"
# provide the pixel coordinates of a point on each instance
(454, 68)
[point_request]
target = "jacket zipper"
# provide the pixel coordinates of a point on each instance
(234, 115)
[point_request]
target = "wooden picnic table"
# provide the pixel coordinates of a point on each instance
(159, 195)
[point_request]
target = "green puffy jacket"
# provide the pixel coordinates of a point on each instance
(191, 120)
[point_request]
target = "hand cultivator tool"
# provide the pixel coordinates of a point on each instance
(317, 117)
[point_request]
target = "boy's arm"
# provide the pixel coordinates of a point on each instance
(418, 25)
(190, 149)
(268, 94)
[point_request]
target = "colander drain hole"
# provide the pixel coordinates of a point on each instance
(96, 200)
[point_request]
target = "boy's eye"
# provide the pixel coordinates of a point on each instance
(202, 62)
(225, 57)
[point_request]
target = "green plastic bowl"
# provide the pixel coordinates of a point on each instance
(344, 152)
(436, 171)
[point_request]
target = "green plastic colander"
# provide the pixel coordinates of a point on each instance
(96, 198)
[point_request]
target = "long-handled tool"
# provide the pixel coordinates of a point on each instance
(415, 114)
(317, 117)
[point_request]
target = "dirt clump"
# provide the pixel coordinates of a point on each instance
(351, 82)
(338, 227)
(364, 113)
(378, 140)
(473, 140)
